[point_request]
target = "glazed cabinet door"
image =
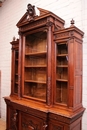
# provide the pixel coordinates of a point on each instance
(61, 73)
(14, 73)
(35, 66)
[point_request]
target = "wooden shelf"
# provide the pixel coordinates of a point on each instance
(62, 66)
(61, 43)
(36, 66)
(36, 53)
(63, 80)
(35, 81)
(62, 55)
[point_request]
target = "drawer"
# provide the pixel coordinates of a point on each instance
(57, 125)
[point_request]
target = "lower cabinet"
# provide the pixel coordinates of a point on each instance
(23, 117)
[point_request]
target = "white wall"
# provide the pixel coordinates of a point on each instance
(12, 11)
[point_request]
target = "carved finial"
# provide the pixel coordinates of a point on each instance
(72, 22)
(30, 12)
(14, 38)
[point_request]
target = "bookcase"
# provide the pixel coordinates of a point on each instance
(46, 78)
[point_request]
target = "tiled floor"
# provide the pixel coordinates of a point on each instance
(2, 125)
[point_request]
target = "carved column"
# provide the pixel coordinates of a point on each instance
(19, 65)
(49, 76)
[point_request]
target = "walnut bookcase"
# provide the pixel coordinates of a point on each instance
(46, 79)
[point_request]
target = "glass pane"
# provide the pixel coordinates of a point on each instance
(16, 72)
(61, 73)
(35, 68)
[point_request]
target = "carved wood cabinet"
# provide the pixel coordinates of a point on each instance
(46, 78)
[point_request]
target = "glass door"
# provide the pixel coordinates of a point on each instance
(61, 72)
(16, 71)
(35, 66)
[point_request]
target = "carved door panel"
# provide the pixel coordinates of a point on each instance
(29, 122)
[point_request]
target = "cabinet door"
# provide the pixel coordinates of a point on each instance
(14, 74)
(35, 66)
(61, 73)
(29, 122)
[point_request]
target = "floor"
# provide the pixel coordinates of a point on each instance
(2, 125)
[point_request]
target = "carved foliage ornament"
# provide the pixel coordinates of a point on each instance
(14, 120)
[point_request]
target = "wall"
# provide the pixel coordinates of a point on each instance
(12, 11)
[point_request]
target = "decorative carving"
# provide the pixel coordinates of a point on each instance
(14, 121)
(30, 12)
(72, 22)
(14, 38)
(33, 25)
(56, 26)
(19, 80)
(30, 125)
(49, 91)
(19, 32)
(44, 126)
(62, 35)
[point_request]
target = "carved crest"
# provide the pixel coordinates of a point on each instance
(30, 12)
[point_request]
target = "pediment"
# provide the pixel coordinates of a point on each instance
(26, 18)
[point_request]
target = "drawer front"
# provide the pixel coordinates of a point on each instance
(29, 122)
(55, 125)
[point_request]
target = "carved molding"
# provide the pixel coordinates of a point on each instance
(33, 25)
(66, 34)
